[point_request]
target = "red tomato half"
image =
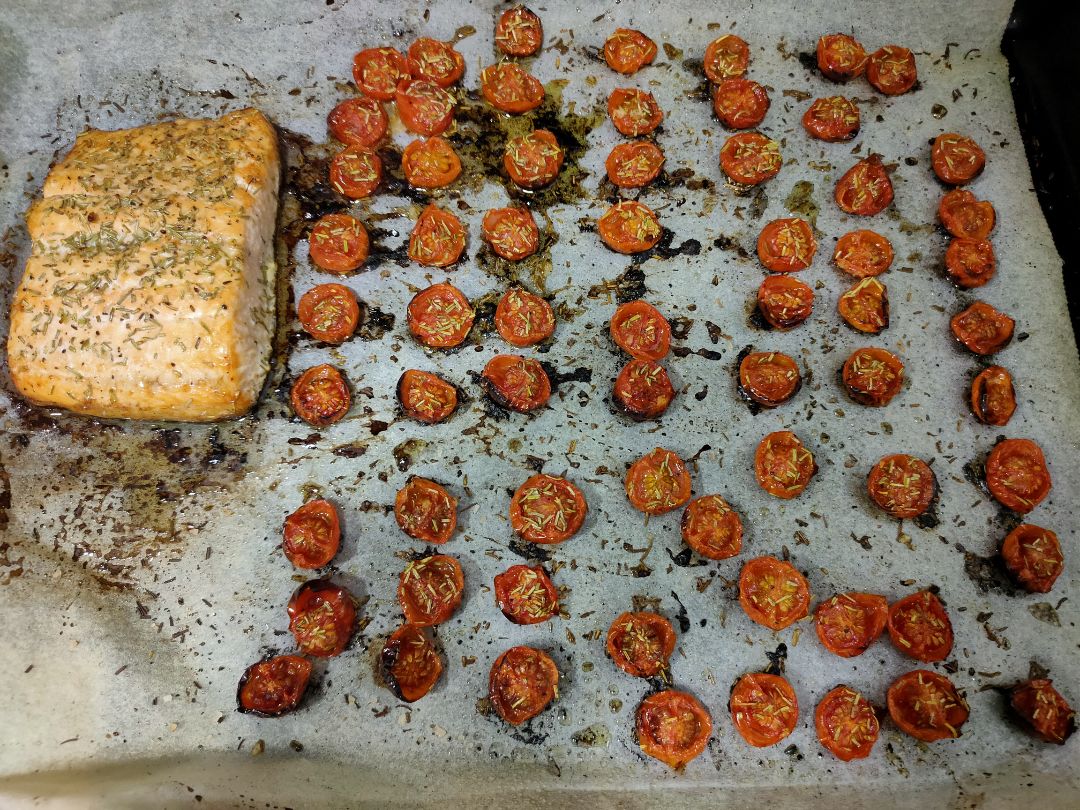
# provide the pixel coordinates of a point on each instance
(891, 70)
(712, 528)
(1016, 474)
(274, 686)
(1042, 709)
(658, 482)
(902, 485)
(533, 160)
(377, 72)
(993, 398)
(426, 397)
(320, 396)
(740, 103)
(329, 312)
(970, 263)
(430, 590)
(863, 253)
(840, 57)
(634, 164)
(523, 318)
(643, 390)
(982, 328)
(764, 708)
(773, 593)
(865, 189)
(338, 243)
(515, 382)
(749, 158)
(848, 623)
(786, 245)
(782, 464)
(965, 216)
(526, 595)
(436, 61)
(359, 121)
(1033, 556)
(873, 376)
(508, 88)
(832, 119)
(673, 727)
(522, 683)
(424, 107)
(410, 664)
(426, 511)
(355, 172)
(628, 51)
(641, 643)
(630, 227)
(511, 232)
(634, 112)
(956, 159)
(726, 57)
(312, 535)
(769, 378)
(920, 627)
(438, 238)
(440, 316)
(927, 706)
(865, 307)
(430, 163)
(784, 302)
(846, 724)
(519, 32)
(547, 509)
(639, 329)
(322, 618)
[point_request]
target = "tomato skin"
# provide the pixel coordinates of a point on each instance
(1016, 474)
(640, 330)
(863, 253)
(769, 378)
(409, 663)
(643, 390)
(956, 159)
(832, 119)
(425, 511)
(358, 121)
(846, 724)
(355, 172)
(430, 163)
(873, 376)
(533, 160)
(920, 628)
(848, 623)
(274, 686)
(1033, 557)
(783, 466)
(627, 51)
(773, 593)
(435, 61)
(329, 312)
(430, 590)
(784, 302)
(519, 32)
(424, 107)
(634, 112)
(634, 164)
(630, 227)
(426, 397)
(726, 57)
(322, 618)
(786, 245)
(526, 595)
(547, 509)
(511, 232)
(891, 70)
(902, 485)
(320, 396)
(965, 216)
(840, 57)
(523, 681)
(865, 306)
(970, 263)
(508, 88)
(1035, 697)
(993, 398)
(312, 535)
(338, 243)
(673, 727)
(764, 708)
(377, 72)
(740, 103)
(749, 158)
(440, 316)
(523, 318)
(641, 643)
(657, 482)
(438, 238)
(942, 710)
(982, 329)
(865, 189)
(516, 383)
(712, 528)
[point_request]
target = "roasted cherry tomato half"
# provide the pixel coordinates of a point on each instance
(865, 189)
(846, 724)
(509, 89)
(634, 164)
(634, 112)
(643, 390)
(1042, 710)
(355, 172)
(784, 302)
(1033, 557)
(965, 216)
(523, 318)
(320, 396)
(516, 383)
(956, 159)
(519, 32)
(873, 376)
(438, 238)
(740, 103)
(786, 245)
(639, 329)
(993, 398)
(430, 163)
(1016, 474)
(782, 464)
(426, 511)
(274, 686)
(641, 643)
(338, 243)
(322, 618)
(426, 397)
(768, 378)
(673, 727)
(865, 307)
(891, 70)
(424, 107)
(764, 708)
(920, 627)
(409, 663)
(982, 329)
(773, 593)
(377, 72)
(970, 262)
(902, 485)
(628, 51)
(440, 316)
(863, 253)
(630, 227)
(359, 121)
(511, 232)
(526, 595)
(848, 623)
(522, 683)
(840, 57)
(726, 57)
(832, 119)
(658, 482)
(533, 160)
(329, 312)
(547, 509)
(927, 706)
(712, 528)
(312, 535)
(430, 590)
(435, 61)
(749, 158)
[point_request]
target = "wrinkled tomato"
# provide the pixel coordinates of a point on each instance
(508, 88)
(438, 238)
(643, 390)
(965, 216)
(515, 382)
(846, 724)
(435, 61)
(956, 159)
(784, 302)
(865, 189)
(769, 378)
(410, 664)
(322, 618)
(511, 232)
(430, 163)
(919, 627)
(430, 590)
(312, 535)
(519, 32)
(547, 509)
(902, 485)
(320, 396)
(863, 253)
(970, 262)
(873, 376)
(749, 158)
(993, 398)
(764, 708)
(526, 595)
(628, 51)
(426, 511)
(1042, 710)
(832, 119)
(359, 121)
(891, 70)
(355, 172)
(712, 528)
(927, 706)
(641, 643)
(1016, 474)
(424, 107)
(377, 72)
(658, 482)
(982, 329)
(329, 312)
(848, 623)
(865, 307)
(274, 686)
(638, 328)
(338, 243)
(523, 318)
(786, 245)
(634, 112)
(426, 397)
(726, 57)
(840, 57)
(630, 227)
(740, 103)
(782, 464)
(773, 593)
(635, 164)
(673, 727)
(523, 681)
(533, 160)
(1033, 557)
(440, 316)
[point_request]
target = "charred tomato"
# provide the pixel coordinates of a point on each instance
(274, 686)
(1042, 710)
(410, 664)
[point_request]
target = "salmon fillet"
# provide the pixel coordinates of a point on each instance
(149, 290)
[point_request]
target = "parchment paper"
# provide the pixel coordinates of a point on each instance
(141, 565)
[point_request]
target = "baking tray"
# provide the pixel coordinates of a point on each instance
(141, 565)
